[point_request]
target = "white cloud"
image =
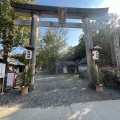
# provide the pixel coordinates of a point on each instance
(114, 5)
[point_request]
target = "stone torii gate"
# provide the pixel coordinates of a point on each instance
(62, 13)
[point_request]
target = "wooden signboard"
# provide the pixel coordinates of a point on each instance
(10, 79)
(2, 75)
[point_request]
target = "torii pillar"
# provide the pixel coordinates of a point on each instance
(33, 43)
(89, 45)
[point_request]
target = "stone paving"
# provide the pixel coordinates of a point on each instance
(56, 90)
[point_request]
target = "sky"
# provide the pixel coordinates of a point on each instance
(73, 34)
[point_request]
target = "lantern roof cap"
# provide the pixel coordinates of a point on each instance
(96, 48)
(28, 47)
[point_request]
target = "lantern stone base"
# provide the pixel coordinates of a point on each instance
(24, 90)
(99, 88)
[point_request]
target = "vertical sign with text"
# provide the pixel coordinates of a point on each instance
(2, 70)
(28, 54)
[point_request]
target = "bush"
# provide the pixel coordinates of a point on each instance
(110, 77)
(97, 75)
(94, 75)
(83, 74)
(101, 77)
(26, 77)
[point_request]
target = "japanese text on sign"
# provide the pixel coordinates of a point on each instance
(28, 54)
(10, 79)
(2, 70)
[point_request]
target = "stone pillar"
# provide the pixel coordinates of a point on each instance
(89, 45)
(117, 49)
(113, 54)
(33, 43)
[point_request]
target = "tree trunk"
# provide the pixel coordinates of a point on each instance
(6, 51)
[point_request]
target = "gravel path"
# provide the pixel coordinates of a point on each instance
(56, 90)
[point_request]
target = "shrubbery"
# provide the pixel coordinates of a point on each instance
(97, 75)
(110, 77)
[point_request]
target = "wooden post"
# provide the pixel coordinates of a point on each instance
(28, 63)
(2, 92)
(93, 62)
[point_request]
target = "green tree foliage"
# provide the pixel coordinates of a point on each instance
(80, 51)
(20, 57)
(108, 25)
(51, 47)
(68, 54)
(11, 35)
(102, 37)
(76, 52)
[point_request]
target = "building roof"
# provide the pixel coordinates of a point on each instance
(14, 61)
(66, 63)
(82, 62)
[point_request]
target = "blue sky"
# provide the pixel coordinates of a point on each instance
(71, 3)
(73, 34)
